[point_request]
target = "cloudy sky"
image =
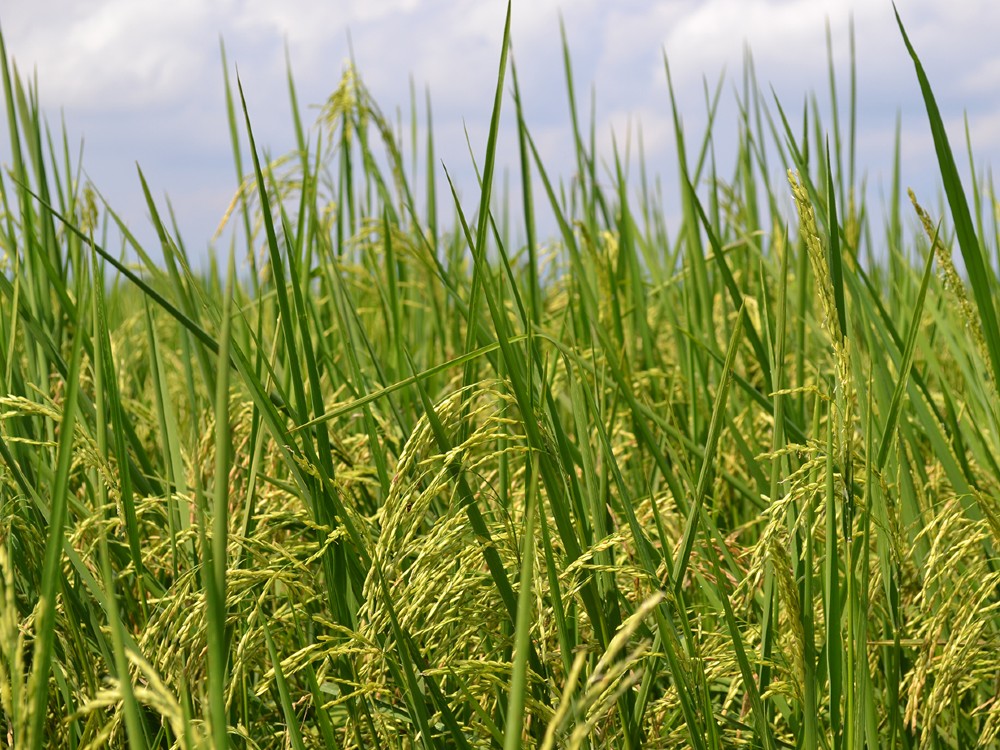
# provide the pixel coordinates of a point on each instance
(141, 80)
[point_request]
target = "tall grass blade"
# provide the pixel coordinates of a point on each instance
(979, 270)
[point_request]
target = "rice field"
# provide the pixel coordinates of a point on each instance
(384, 476)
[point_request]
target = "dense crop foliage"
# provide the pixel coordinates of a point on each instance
(399, 484)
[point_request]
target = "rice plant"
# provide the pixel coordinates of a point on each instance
(375, 479)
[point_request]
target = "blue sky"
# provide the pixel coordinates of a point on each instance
(141, 81)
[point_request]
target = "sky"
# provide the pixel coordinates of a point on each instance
(141, 81)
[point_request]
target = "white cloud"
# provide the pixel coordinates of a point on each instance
(114, 54)
(142, 78)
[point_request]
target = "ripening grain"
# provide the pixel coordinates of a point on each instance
(396, 483)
